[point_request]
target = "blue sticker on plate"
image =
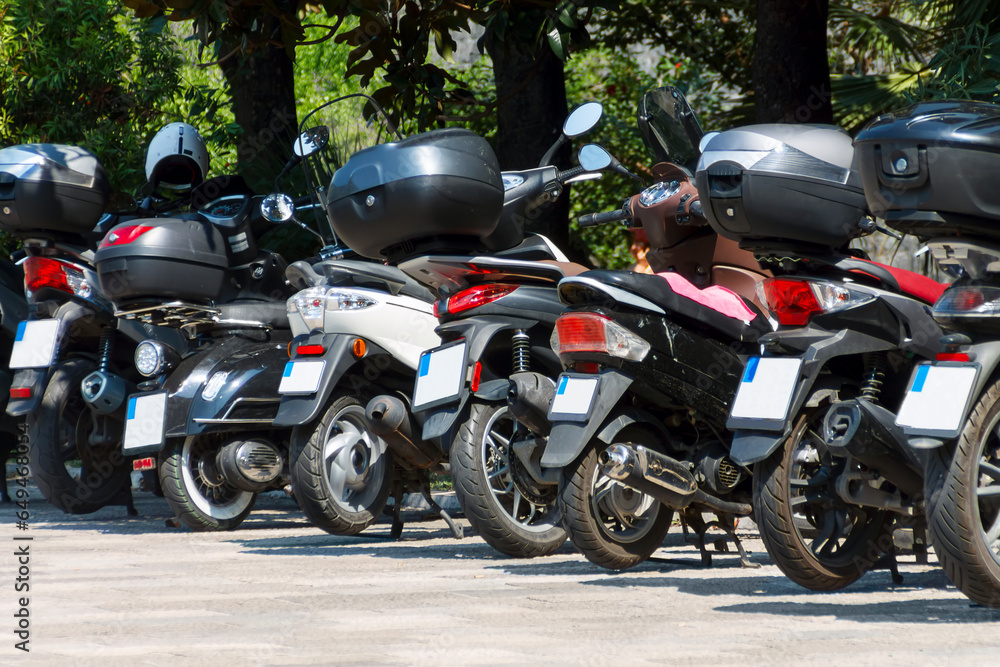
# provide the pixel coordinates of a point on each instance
(751, 369)
(919, 379)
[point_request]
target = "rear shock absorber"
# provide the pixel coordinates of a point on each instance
(105, 347)
(521, 344)
(871, 385)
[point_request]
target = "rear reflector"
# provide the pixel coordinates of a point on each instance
(147, 463)
(20, 392)
(309, 350)
(953, 356)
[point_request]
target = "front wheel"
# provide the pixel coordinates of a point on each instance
(74, 475)
(963, 504)
(341, 472)
(613, 525)
(505, 506)
(194, 488)
(817, 539)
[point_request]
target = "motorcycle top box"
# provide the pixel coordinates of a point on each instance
(782, 183)
(930, 169)
(163, 258)
(435, 188)
(50, 187)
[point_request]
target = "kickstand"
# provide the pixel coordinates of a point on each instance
(397, 521)
(724, 522)
(125, 498)
(920, 544)
(425, 490)
(888, 562)
(692, 518)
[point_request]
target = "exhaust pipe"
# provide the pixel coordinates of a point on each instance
(868, 432)
(529, 399)
(662, 477)
(390, 420)
(249, 465)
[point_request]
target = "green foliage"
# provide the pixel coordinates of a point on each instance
(82, 73)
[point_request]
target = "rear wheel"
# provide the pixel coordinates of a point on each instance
(73, 474)
(194, 488)
(819, 541)
(341, 472)
(513, 513)
(613, 525)
(963, 504)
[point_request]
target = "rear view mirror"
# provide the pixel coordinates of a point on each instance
(583, 119)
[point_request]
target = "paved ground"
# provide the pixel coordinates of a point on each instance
(108, 590)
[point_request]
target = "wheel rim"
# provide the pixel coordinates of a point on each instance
(354, 460)
(205, 486)
(987, 481)
(834, 531)
(624, 514)
(535, 514)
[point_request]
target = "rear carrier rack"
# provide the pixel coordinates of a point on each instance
(174, 314)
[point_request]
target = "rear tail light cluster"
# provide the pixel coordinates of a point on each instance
(590, 332)
(793, 301)
(967, 301)
(474, 297)
(41, 272)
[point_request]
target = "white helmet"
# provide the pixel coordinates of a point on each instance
(176, 158)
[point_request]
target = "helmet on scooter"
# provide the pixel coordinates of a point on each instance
(176, 158)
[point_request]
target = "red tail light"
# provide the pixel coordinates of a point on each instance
(477, 296)
(791, 301)
(42, 272)
(125, 235)
(581, 332)
(591, 332)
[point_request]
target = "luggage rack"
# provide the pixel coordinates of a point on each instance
(174, 314)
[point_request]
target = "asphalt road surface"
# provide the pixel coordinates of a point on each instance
(106, 589)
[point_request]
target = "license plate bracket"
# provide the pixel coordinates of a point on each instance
(938, 399)
(765, 393)
(35, 343)
(574, 397)
(145, 423)
(441, 376)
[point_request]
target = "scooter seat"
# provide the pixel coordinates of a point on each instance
(721, 310)
(910, 283)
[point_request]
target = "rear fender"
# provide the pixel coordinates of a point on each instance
(299, 409)
(567, 438)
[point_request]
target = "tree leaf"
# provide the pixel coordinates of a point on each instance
(558, 44)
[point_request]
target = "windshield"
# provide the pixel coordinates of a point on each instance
(669, 126)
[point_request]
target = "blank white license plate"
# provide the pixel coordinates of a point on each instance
(440, 376)
(937, 400)
(301, 377)
(145, 421)
(574, 396)
(767, 388)
(35, 344)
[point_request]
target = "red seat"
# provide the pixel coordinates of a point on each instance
(914, 284)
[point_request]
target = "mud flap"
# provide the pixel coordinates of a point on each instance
(749, 447)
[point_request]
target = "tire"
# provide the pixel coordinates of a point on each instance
(963, 504)
(816, 539)
(58, 431)
(505, 507)
(194, 489)
(613, 525)
(341, 473)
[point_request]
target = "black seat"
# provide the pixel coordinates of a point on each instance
(687, 312)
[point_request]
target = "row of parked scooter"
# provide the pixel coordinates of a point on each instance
(764, 369)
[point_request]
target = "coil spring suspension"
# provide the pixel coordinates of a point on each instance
(871, 386)
(105, 346)
(521, 343)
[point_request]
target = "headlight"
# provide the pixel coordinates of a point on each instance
(150, 358)
(657, 192)
(312, 304)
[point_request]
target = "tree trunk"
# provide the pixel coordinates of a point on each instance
(262, 85)
(531, 90)
(791, 74)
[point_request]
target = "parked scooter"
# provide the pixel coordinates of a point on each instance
(832, 474)
(652, 364)
(928, 170)
(496, 310)
(72, 357)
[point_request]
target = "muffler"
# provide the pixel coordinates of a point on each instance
(104, 392)
(868, 433)
(529, 399)
(388, 418)
(249, 465)
(662, 477)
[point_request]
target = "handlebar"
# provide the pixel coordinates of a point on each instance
(594, 219)
(573, 172)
